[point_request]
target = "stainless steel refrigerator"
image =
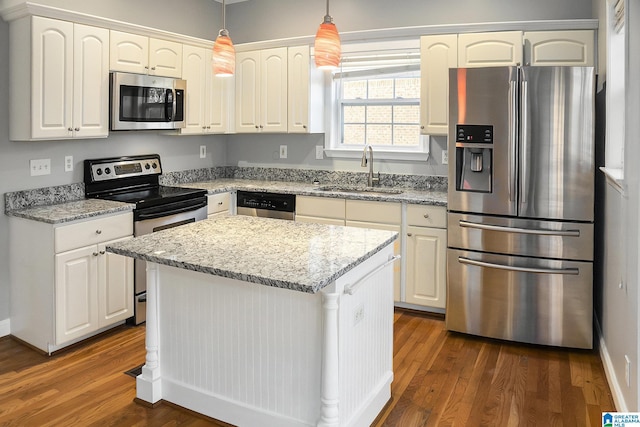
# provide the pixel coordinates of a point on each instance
(521, 204)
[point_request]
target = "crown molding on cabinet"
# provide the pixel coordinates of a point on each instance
(11, 11)
(15, 9)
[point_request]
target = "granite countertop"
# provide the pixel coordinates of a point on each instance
(71, 210)
(299, 256)
(408, 195)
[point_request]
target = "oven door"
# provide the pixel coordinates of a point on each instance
(152, 220)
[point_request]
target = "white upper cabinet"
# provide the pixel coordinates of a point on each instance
(490, 49)
(305, 92)
(207, 99)
(133, 53)
(261, 91)
(555, 48)
(438, 53)
(62, 68)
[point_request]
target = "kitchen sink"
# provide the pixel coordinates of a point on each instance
(360, 190)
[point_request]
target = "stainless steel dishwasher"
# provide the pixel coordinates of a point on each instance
(266, 205)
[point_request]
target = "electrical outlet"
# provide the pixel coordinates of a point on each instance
(203, 151)
(319, 152)
(358, 315)
(627, 370)
(445, 157)
(283, 151)
(68, 163)
(40, 167)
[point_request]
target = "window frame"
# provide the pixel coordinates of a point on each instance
(333, 138)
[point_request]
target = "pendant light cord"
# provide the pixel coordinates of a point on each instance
(224, 15)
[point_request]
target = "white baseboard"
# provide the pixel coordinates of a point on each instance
(5, 327)
(614, 385)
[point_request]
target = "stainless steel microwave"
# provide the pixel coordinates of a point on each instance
(141, 102)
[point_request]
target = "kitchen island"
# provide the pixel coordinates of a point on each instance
(258, 322)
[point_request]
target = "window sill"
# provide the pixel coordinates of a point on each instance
(378, 154)
(615, 178)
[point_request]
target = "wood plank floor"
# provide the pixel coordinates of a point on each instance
(440, 379)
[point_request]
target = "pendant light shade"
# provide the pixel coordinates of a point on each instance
(224, 54)
(327, 48)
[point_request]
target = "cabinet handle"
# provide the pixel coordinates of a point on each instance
(95, 254)
(426, 216)
(98, 231)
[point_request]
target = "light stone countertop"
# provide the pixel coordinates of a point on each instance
(284, 254)
(71, 211)
(408, 195)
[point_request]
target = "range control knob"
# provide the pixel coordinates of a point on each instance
(107, 170)
(99, 171)
(154, 165)
(147, 166)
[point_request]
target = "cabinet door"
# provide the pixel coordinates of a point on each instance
(298, 63)
(195, 61)
(115, 286)
(76, 293)
(51, 78)
(91, 81)
(219, 115)
(437, 54)
(426, 266)
(129, 52)
(273, 93)
(558, 48)
(165, 58)
(247, 92)
(397, 249)
(490, 49)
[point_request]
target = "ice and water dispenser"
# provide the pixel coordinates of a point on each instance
(474, 152)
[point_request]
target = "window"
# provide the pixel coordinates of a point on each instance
(376, 101)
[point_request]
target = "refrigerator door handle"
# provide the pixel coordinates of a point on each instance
(513, 134)
(536, 231)
(572, 271)
(524, 141)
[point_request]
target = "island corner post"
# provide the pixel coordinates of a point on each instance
(251, 354)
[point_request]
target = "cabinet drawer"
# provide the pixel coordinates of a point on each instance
(427, 216)
(325, 207)
(218, 203)
(92, 232)
(369, 211)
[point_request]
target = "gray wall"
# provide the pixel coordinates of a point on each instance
(253, 20)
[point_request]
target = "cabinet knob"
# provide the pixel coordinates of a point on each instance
(261, 126)
(257, 127)
(98, 231)
(76, 129)
(409, 234)
(426, 215)
(208, 127)
(153, 68)
(102, 252)
(146, 67)
(421, 127)
(219, 203)
(70, 129)
(204, 127)
(95, 254)
(304, 126)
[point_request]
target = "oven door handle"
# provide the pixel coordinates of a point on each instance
(154, 215)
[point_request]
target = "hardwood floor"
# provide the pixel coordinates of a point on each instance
(440, 379)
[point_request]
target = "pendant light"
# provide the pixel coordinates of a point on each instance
(327, 45)
(224, 54)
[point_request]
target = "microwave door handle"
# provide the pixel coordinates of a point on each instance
(169, 105)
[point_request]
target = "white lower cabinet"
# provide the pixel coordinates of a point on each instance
(426, 281)
(78, 289)
(218, 204)
(320, 210)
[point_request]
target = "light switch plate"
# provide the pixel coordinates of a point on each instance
(283, 151)
(68, 163)
(40, 167)
(445, 157)
(203, 151)
(319, 152)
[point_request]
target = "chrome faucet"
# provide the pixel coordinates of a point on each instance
(370, 179)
